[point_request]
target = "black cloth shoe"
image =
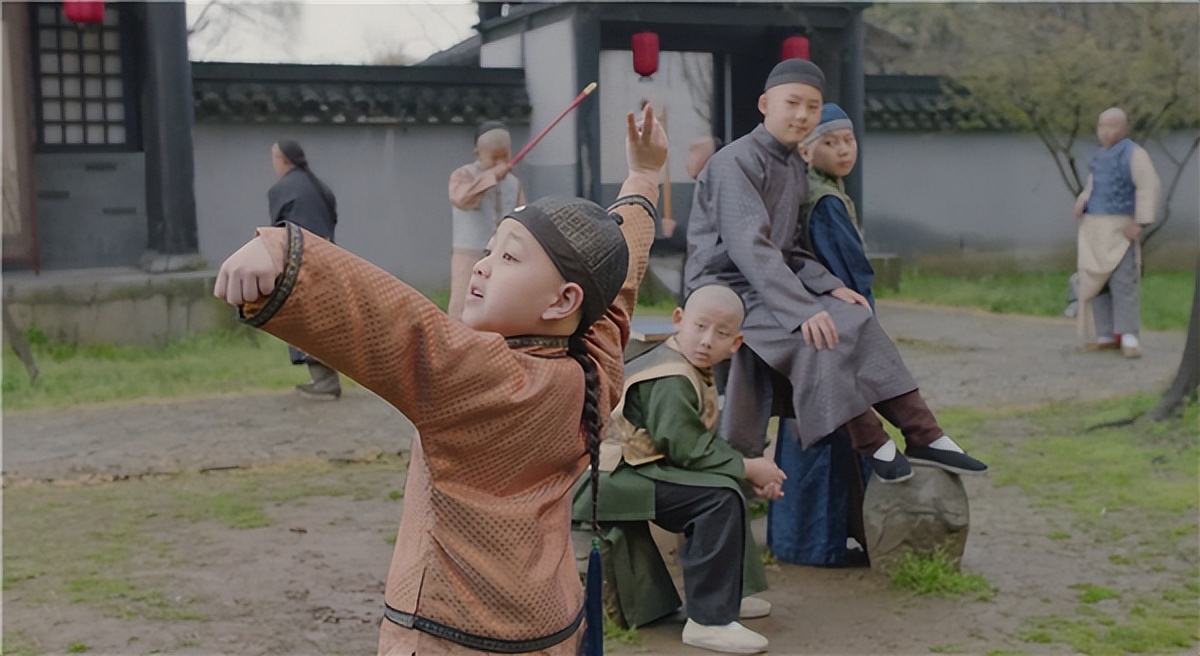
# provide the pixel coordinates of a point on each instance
(951, 461)
(896, 471)
(325, 385)
(309, 391)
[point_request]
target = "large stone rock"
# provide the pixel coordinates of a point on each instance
(928, 511)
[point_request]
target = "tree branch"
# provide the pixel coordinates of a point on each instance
(1179, 167)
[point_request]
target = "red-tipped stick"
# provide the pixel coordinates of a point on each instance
(533, 142)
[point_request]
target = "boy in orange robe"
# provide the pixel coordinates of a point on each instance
(508, 403)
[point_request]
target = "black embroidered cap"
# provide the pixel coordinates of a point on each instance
(802, 71)
(586, 245)
(488, 126)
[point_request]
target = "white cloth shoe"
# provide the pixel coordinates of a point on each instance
(753, 608)
(732, 638)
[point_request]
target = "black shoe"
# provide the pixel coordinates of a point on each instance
(325, 385)
(309, 391)
(896, 471)
(951, 461)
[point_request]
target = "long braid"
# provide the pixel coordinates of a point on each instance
(591, 421)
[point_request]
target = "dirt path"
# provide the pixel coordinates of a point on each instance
(960, 358)
(275, 589)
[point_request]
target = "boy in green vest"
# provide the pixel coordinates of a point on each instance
(663, 461)
(829, 226)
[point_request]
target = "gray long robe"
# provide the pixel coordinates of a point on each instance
(742, 233)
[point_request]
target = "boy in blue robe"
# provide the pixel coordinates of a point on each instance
(823, 504)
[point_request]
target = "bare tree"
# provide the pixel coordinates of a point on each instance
(448, 33)
(1178, 163)
(218, 18)
(1051, 69)
(697, 72)
(1187, 377)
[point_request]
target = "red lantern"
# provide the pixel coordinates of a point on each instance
(645, 53)
(794, 47)
(84, 11)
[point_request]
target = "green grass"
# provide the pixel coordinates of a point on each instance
(237, 361)
(1099, 474)
(90, 545)
(614, 632)
(1153, 631)
(1090, 594)
(1131, 489)
(935, 574)
(15, 643)
(1166, 295)
(767, 557)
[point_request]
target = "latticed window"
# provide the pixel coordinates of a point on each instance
(84, 97)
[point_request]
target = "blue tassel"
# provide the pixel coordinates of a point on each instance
(593, 636)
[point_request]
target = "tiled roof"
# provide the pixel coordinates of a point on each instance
(920, 103)
(292, 93)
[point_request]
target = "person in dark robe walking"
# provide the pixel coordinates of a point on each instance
(801, 320)
(300, 197)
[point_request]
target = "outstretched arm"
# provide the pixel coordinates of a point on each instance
(467, 189)
(362, 321)
(646, 150)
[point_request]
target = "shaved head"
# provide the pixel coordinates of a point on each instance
(1114, 114)
(494, 139)
(708, 328)
(1112, 126)
(716, 297)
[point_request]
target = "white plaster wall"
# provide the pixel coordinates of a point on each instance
(551, 84)
(994, 193)
(622, 91)
(390, 184)
(502, 53)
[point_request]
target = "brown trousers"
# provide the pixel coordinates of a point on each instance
(907, 412)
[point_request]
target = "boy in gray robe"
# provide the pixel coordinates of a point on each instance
(801, 320)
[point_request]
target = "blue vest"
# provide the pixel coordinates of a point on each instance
(1113, 191)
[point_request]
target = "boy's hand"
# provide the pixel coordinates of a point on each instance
(763, 474)
(820, 331)
(646, 144)
(248, 275)
(850, 296)
(1132, 231)
(501, 170)
(771, 492)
